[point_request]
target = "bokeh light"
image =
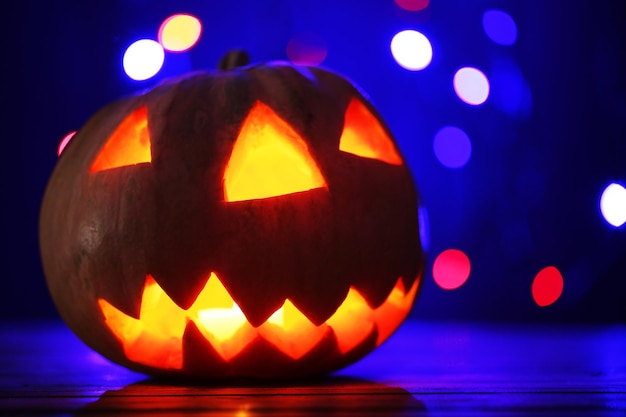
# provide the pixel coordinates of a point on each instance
(307, 49)
(63, 143)
(547, 286)
(451, 269)
(500, 27)
(411, 50)
(613, 204)
(424, 222)
(452, 147)
(471, 85)
(179, 32)
(412, 5)
(510, 91)
(143, 59)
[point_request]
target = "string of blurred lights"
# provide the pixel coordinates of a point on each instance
(412, 50)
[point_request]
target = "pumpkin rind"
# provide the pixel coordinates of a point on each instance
(103, 232)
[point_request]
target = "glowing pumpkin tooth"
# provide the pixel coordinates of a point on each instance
(213, 295)
(159, 313)
(221, 322)
(153, 349)
(230, 347)
(216, 312)
(291, 331)
(394, 310)
(278, 318)
(352, 322)
(124, 327)
(141, 343)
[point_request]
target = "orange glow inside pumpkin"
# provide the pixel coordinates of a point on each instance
(129, 144)
(363, 135)
(269, 159)
(155, 339)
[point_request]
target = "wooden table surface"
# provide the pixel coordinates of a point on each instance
(424, 369)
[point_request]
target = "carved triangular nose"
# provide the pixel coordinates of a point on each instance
(269, 159)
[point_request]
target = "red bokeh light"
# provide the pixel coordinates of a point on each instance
(547, 286)
(63, 143)
(451, 269)
(412, 5)
(307, 49)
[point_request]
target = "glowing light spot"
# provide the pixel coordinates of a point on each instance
(412, 5)
(471, 85)
(179, 32)
(143, 59)
(547, 286)
(500, 27)
(509, 89)
(452, 147)
(613, 204)
(307, 49)
(411, 50)
(451, 269)
(424, 222)
(63, 143)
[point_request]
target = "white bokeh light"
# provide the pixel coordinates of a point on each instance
(613, 204)
(143, 59)
(471, 85)
(411, 50)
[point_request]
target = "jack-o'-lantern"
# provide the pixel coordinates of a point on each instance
(257, 221)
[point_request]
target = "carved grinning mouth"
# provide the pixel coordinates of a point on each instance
(156, 338)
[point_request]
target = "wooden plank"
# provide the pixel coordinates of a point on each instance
(433, 368)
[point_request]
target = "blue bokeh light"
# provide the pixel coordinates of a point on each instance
(509, 89)
(500, 27)
(452, 147)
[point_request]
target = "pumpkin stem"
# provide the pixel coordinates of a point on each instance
(233, 59)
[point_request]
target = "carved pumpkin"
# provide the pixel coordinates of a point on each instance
(252, 222)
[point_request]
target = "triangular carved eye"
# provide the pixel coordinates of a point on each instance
(364, 136)
(129, 144)
(269, 159)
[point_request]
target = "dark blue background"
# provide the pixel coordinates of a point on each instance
(528, 198)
